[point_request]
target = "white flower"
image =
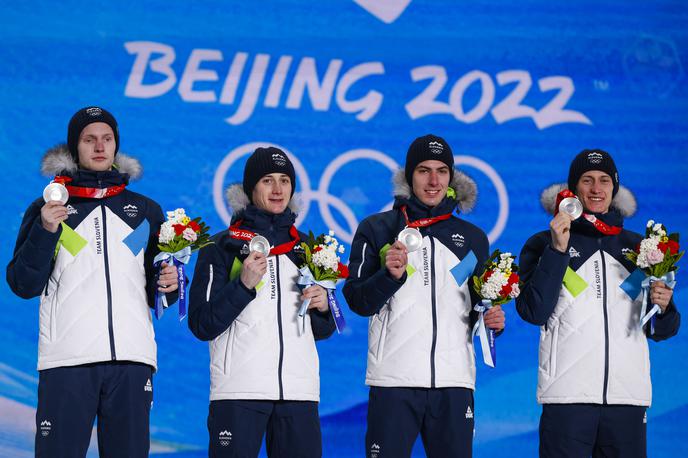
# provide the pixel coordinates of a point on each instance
(175, 217)
(650, 223)
(166, 232)
(326, 258)
(657, 228)
(341, 249)
(331, 233)
(491, 288)
(327, 239)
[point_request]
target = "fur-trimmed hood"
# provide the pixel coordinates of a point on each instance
(58, 160)
(237, 200)
(464, 187)
(624, 200)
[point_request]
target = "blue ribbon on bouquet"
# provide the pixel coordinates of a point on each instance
(487, 335)
(645, 316)
(305, 280)
(177, 259)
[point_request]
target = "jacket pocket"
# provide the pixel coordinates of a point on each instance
(553, 349)
(50, 304)
(228, 350)
(383, 317)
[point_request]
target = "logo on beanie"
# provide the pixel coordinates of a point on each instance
(594, 157)
(436, 147)
(94, 111)
(278, 159)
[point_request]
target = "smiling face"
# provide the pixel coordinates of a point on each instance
(272, 192)
(595, 190)
(430, 182)
(97, 147)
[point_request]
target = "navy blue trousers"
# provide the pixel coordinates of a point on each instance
(119, 394)
(442, 416)
(584, 430)
(291, 429)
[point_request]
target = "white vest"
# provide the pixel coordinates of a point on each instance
(253, 359)
(73, 324)
(400, 336)
(572, 344)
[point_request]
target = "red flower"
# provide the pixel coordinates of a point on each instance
(506, 289)
(671, 245)
(194, 225)
(342, 270)
(513, 278)
(487, 275)
(178, 228)
(316, 249)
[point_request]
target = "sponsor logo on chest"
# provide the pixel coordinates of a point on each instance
(131, 210)
(458, 240)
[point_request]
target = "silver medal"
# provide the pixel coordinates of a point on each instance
(259, 244)
(411, 238)
(56, 192)
(571, 206)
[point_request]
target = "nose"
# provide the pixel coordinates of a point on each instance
(100, 145)
(277, 188)
(433, 179)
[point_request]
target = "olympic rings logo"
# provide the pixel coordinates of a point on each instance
(325, 200)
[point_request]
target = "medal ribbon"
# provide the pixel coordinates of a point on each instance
(247, 235)
(600, 225)
(91, 193)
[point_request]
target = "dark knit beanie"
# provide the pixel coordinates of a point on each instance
(429, 147)
(592, 159)
(83, 118)
(264, 161)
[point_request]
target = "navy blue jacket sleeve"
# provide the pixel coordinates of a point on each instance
(29, 270)
(322, 324)
(214, 300)
(369, 285)
(666, 324)
(155, 219)
(542, 270)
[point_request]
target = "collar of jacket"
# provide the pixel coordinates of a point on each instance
(264, 222)
(58, 161)
(417, 209)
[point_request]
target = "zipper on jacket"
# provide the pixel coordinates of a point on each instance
(108, 286)
(279, 327)
(434, 312)
(606, 325)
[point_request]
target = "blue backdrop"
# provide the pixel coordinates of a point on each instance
(344, 86)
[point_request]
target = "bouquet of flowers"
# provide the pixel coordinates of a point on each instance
(322, 266)
(179, 236)
(498, 284)
(656, 255)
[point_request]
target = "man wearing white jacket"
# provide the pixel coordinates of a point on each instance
(91, 263)
(264, 368)
(594, 367)
(421, 362)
